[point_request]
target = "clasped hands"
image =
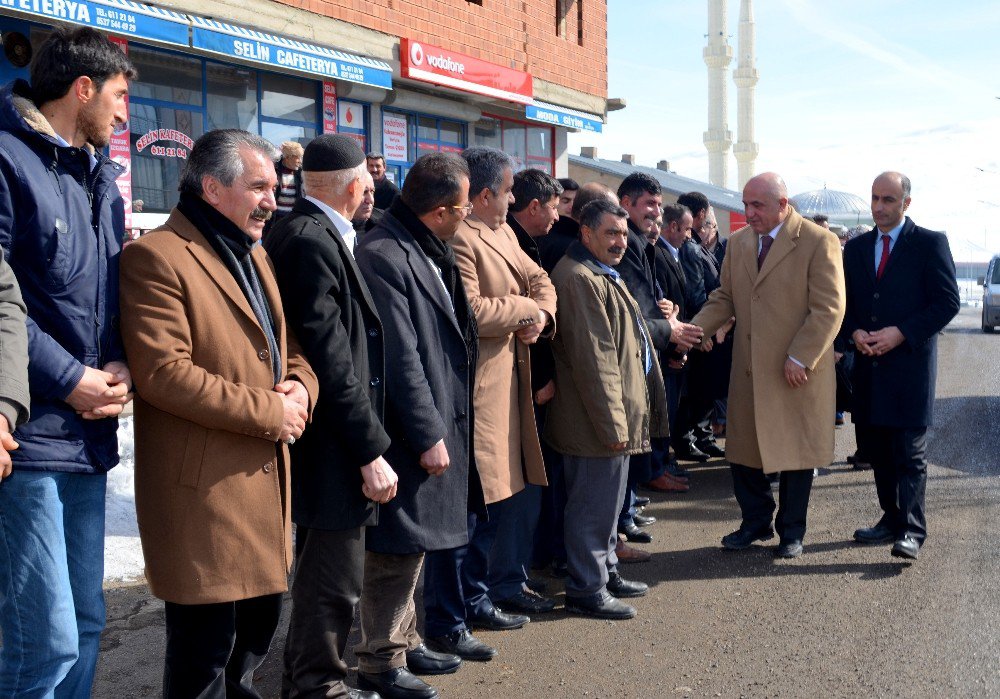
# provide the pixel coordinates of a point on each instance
(877, 343)
(102, 393)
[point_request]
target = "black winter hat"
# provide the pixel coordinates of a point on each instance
(331, 152)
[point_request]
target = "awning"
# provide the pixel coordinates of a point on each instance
(257, 47)
(563, 116)
(116, 16)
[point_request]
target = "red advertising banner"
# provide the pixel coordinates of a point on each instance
(119, 151)
(329, 107)
(433, 64)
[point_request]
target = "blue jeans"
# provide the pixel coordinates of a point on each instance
(51, 577)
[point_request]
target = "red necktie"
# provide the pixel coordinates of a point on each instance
(765, 245)
(885, 257)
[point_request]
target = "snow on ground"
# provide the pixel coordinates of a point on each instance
(122, 552)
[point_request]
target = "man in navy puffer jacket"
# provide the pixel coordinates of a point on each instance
(61, 227)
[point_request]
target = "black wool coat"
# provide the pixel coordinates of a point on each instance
(428, 397)
(329, 307)
(918, 293)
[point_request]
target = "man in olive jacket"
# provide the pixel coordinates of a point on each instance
(610, 403)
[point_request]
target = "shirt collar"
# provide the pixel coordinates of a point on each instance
(63, 142)
(673, 251)
(894, 232)
(344, 227)
(774, 231)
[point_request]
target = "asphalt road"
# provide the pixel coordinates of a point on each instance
(841, 621)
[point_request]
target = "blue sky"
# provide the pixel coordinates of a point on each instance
(847, 89)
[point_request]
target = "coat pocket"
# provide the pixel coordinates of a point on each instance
(194, 456)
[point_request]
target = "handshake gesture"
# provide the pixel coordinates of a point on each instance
(684, 335)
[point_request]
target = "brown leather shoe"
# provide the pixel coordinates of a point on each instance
(667, 484)
(627, 554)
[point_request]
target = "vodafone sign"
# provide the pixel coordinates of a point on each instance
(433, 64)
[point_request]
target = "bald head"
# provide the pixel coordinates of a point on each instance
(588, 193)
(765, 198)
(890, 200)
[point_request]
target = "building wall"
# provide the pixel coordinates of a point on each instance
(519, 33)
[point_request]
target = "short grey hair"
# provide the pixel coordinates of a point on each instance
(217, 154)
(335, 181)
(595, 210)
(486, 167)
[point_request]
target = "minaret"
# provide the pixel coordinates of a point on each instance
(745, 77)
(718, 55)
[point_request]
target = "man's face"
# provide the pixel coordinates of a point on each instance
(454, 214)
(888, 203)
(249, 200)
(544, 216)
(493, 212)
(679, 231)
(609, 241)
(699, 220)
(364, 211)
(376, 166)
(644, 211)
(105, 111)
(709, 229)
(566, 202)
(764, 209)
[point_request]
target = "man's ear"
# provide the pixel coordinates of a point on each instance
(84, 89)
(211, 189)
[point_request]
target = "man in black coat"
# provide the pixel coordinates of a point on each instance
(339, 473)
(385, 189)
(901, 292)
(566, 230)
(418, 290)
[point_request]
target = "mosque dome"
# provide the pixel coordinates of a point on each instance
(842, 207)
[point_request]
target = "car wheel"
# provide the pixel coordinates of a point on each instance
(986, 328)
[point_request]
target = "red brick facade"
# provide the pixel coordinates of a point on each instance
(519, 33)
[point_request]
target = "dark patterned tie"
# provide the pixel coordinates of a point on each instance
(765, 245)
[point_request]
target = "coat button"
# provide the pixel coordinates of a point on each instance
(375, 381)
(267, 468)
(874, 319)
(267, 434)
(263, 355)
(874, 364)
(875, 296)
(645, 443)
(372, 332)
(748, 372)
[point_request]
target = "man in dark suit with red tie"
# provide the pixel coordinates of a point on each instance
(901, 291)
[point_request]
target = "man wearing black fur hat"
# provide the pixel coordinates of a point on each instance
(339, 476)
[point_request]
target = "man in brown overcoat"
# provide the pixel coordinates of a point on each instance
(221, 388)
(783, 280)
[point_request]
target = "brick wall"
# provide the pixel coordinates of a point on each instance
(520, 34)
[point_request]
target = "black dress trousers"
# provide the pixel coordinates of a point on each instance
(753, 493)
(897, 459)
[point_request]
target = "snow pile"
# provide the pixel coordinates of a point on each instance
(122, 552)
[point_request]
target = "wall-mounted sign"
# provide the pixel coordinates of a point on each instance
(394, 136)
(117, 16)
(433, 64)
(561, 116)
(257, 47)
(119, 150)
(329, 107)
(169, 135)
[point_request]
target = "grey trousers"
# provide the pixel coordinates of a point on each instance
(388, 613)
(595, 488)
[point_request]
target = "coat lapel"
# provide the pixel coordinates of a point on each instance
(206, 256)
(784, 243)
(270, 286)
(901, 248)
(428, 279)
(498, 241)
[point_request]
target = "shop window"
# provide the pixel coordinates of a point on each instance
(515, 144)
(278, 133)
(165, 77)
(487, 132)
(540, 148)
(285, 97)
(159, 156)
(530, 146)
(232, 97)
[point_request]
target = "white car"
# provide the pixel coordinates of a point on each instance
(991, 295)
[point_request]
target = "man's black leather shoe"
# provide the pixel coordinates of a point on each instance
(692, 453)
(361, 694)
(398, 683)
(712, 449)
(744, 538)
(641, 501)
(602, 606)
(634, 534)
(643, 520)
(620, 587)
(879, 534)
(907, 547)
(788, 549)
(464, 645)
(496, 620)
(424, 661)
(536, 584)
(526, 603)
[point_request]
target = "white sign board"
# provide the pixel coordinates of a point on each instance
(394, 137)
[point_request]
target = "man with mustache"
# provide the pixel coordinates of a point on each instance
(222, 389)
(609, 406)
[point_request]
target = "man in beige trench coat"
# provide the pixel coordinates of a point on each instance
(221, 388)
(783, 280)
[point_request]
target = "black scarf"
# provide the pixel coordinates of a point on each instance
(234, 246)
(443, 256)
